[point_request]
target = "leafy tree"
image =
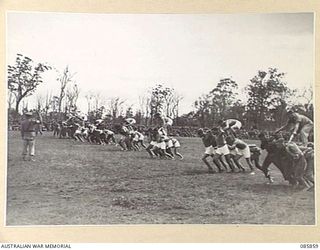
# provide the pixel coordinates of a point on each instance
(164, 100)
(203, 109)
(237, 110)
(223, 96)
(268, 95)
(159, 98)
(24, 77)
(217, 103)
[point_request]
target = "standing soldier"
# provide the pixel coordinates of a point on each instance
(28, 135)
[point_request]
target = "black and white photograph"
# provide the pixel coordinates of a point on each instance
(135, 119)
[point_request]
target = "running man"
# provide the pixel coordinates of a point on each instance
(239, 148)
(222, 148)
(209, 141)
(138, 139)
(173, 143)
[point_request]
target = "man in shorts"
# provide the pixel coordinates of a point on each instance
(239, 148)
(151, 149)
(222, 147)
(161, 144)
(209, 142)
(173, 143)
(176, 146)
(109, 136)
(138, 138)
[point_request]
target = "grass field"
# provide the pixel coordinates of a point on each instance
(74, 183)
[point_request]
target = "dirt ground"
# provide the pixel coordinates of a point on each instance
(73, 183)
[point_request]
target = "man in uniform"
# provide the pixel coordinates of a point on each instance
(28, 134)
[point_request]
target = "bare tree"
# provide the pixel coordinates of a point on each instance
(116, 106)
(40, 102)
(48, 101)
(176, 98)
(25, 105)
(72, 95)
(145, 106)
(89, 97)
(98, 100)
(64, 79)
(307, 96)
(11, 100)
(54, 103)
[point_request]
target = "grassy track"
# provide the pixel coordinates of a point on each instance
(77, 183)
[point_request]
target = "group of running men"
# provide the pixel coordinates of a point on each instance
(221, 142)
(160, 145)
(225, 149)
(132, 137)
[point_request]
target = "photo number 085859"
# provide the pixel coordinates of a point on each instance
(305, 245)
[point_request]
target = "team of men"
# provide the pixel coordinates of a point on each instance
(221, 142)
(225, 149)
(131, 137)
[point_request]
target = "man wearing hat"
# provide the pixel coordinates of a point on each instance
(28, 128)
(299, 124)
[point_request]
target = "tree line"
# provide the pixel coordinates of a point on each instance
(262, 104)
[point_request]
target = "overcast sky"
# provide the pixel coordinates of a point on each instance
(125, 54)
